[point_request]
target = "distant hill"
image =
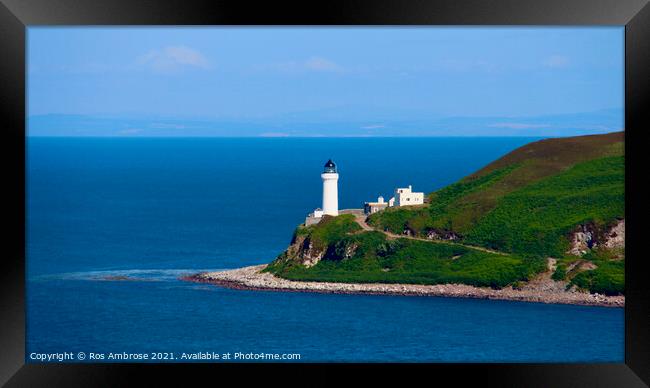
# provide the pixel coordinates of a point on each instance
(556, 198)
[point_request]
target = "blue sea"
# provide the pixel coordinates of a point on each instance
(159, 208)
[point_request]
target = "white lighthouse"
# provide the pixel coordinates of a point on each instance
(330, 195)
(330, 189)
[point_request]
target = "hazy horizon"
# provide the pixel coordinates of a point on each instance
(325, 82)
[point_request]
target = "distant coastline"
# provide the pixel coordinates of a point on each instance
(540, 290)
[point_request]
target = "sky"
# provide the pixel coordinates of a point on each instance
(302, 81)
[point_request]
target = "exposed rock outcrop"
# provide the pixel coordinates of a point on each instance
(589, 236)
(303, 250)
(439, 234)
(616, 236)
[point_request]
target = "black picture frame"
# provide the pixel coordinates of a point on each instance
(17, 15)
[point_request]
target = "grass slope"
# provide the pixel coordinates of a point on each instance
(607, 278)
(527, 201)
(537, 219)
(378, 260)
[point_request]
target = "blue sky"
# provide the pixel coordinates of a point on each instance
(296, 81)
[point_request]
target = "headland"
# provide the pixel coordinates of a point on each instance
(544, 223)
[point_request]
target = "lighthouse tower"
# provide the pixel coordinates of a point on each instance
(330, 189)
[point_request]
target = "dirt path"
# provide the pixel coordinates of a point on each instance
(543, 282)
(360, 218)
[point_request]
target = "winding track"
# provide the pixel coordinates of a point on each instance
(360, 218)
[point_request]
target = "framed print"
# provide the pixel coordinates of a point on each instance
(434, 188)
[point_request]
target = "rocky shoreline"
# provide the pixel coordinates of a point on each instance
(539, 290)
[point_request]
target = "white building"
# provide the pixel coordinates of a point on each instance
(330, 207)
(374, 207)
(406, 197)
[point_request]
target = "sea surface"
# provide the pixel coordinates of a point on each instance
(151, 210)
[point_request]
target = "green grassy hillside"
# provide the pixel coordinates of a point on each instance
(528, 201)
(526, 205)
(369, 257)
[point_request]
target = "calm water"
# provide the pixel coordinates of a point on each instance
(155, 209)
